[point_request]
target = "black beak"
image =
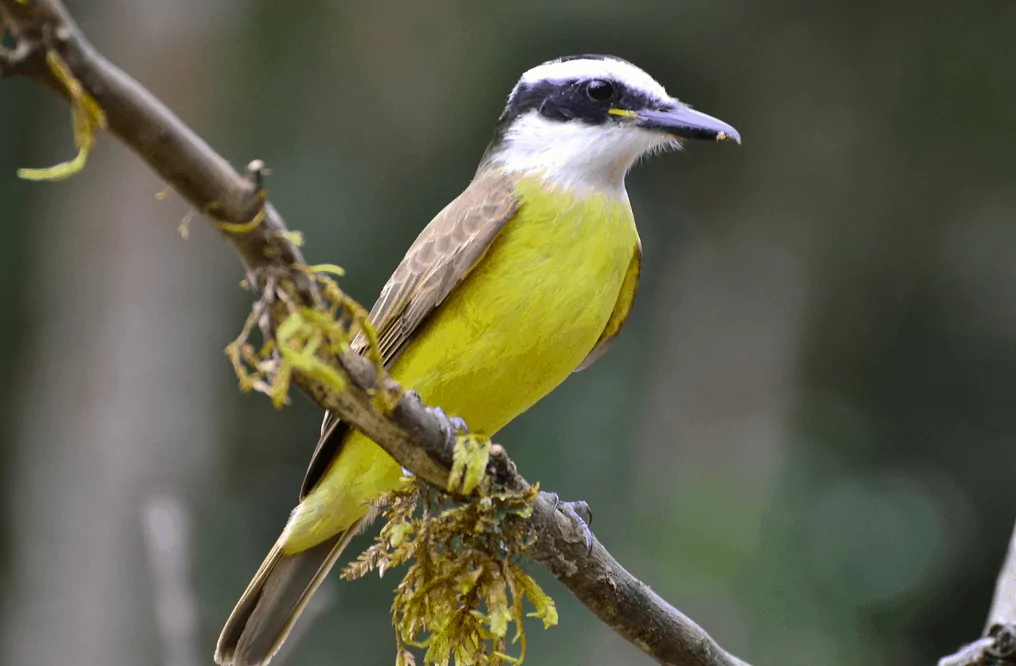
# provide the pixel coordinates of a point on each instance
(684, 122)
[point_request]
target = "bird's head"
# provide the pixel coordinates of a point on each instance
(585, 120)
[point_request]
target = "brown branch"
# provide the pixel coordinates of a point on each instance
(567, 549)
(414, 436)
(997, 646)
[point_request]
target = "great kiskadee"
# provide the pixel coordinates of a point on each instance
(523, 279)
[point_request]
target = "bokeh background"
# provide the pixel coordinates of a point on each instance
(803, 439)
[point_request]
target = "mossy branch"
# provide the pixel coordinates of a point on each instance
(306, 322)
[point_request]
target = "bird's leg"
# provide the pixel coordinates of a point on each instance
(581, 516)
(582, 510)
(452, 425)
(458, 425)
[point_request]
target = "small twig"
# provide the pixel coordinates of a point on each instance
(997, 647)
(1003, 604)
(971, 655)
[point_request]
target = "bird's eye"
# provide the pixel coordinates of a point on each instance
(600, 91)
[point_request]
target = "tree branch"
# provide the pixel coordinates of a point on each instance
(412, 435)
(997, 646)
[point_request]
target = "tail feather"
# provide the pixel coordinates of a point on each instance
(273, 601)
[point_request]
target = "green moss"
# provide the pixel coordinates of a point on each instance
(87, 117)
(305, 341)
(463, 588)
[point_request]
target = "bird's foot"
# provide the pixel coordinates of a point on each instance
(454, 426)
(581, 516)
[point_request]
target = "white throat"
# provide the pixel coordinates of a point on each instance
(575, 155)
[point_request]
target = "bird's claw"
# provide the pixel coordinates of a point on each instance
(581, 516)
(457, 425)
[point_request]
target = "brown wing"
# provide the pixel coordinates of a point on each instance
(625, 298)
(442, 255)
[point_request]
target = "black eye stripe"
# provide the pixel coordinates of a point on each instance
(570, 99)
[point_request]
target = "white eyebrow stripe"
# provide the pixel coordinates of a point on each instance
(607, 68)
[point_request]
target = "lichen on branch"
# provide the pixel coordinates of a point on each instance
(464, 587)
(87, 118)
(305, 339)
(471, 454)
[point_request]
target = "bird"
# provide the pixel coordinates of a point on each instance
(523, 279)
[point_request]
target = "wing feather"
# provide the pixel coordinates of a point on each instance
(441, 257)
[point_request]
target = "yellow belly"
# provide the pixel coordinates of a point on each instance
(520, 323)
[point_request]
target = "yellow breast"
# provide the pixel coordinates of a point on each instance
(532, 310)
(519, 324)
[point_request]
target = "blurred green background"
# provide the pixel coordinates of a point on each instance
(803, 439)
